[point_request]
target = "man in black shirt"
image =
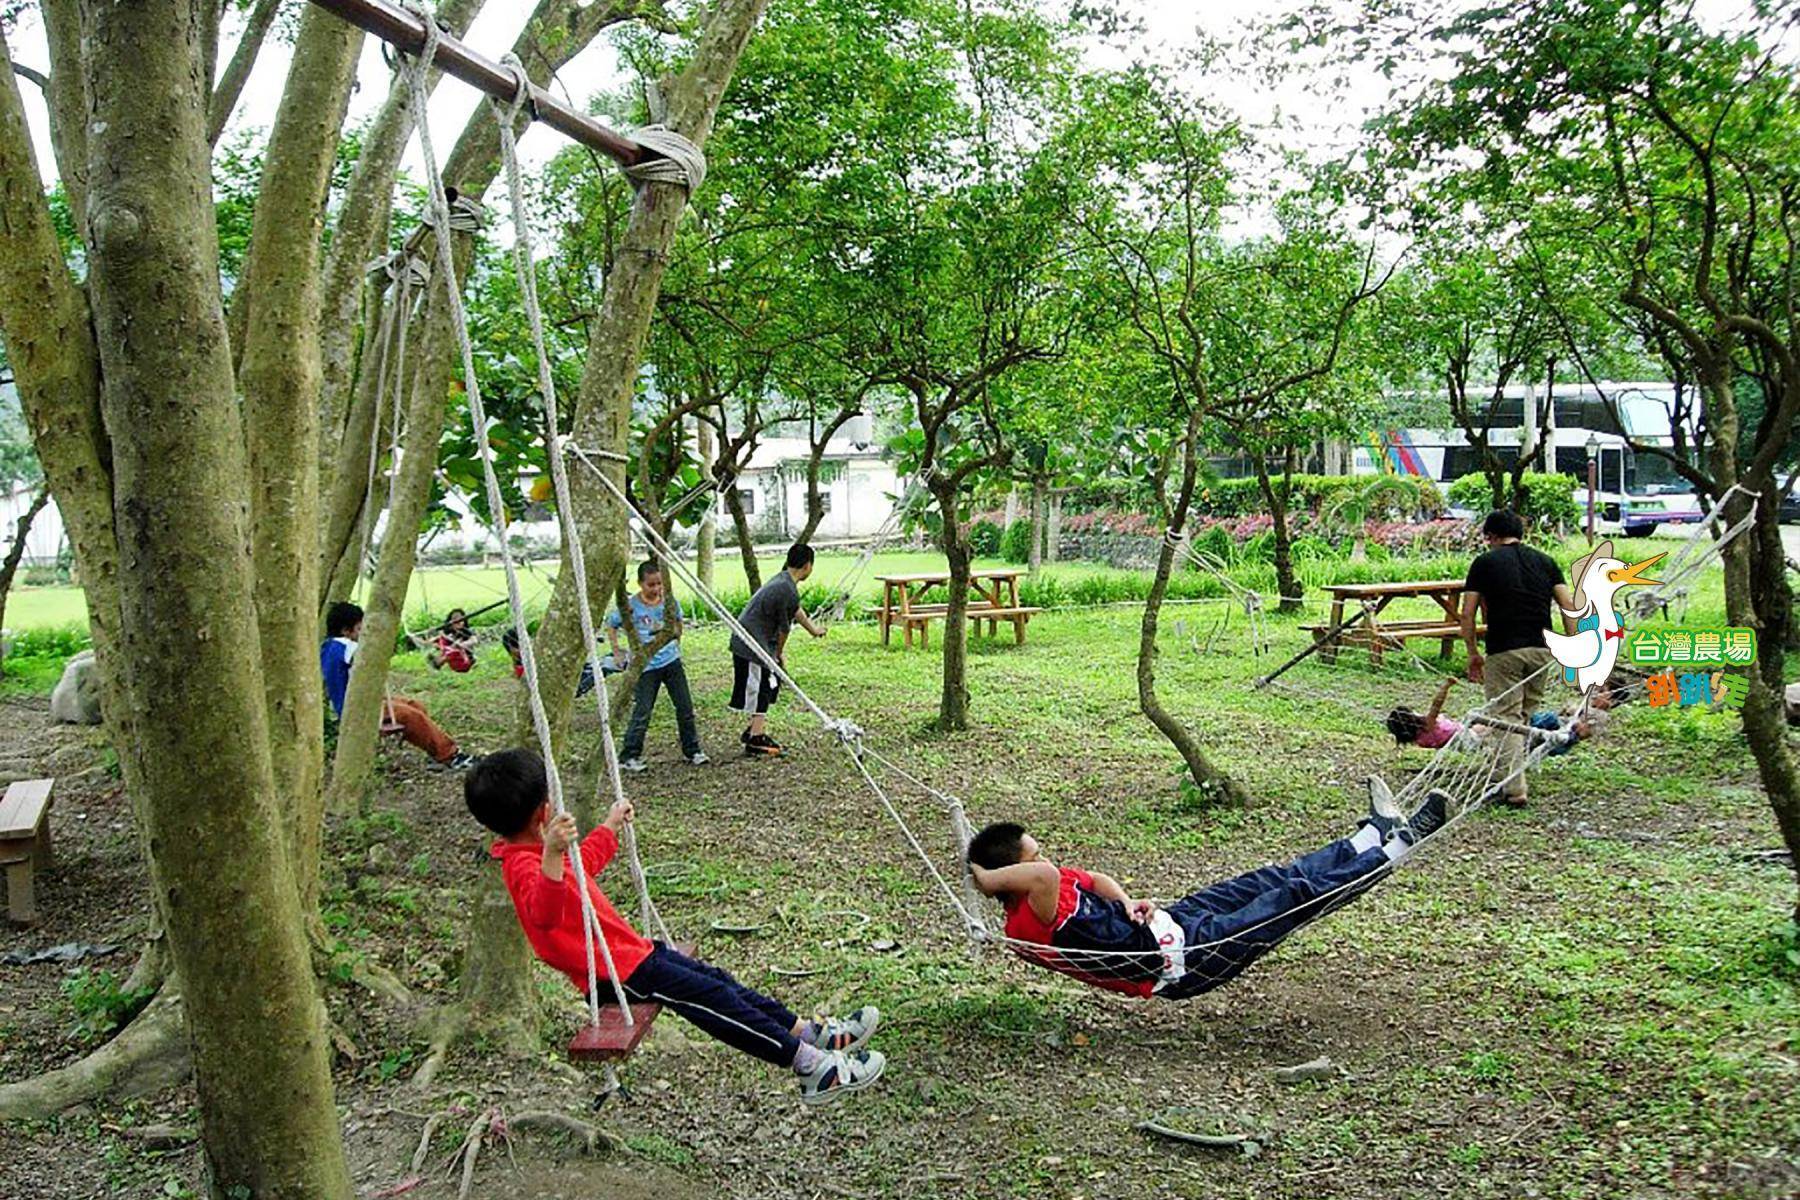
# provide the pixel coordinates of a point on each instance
(1514, 586)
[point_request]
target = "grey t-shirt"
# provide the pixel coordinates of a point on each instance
(768, 616)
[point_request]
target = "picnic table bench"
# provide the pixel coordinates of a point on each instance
(993, 597)
(24, 843)
(1379, 635)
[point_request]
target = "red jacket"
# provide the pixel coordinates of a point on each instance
(1024, 925)
(550, 910)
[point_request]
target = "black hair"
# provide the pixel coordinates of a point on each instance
(1406, 725)
(998, 845)
(341, 618)
(1502, 523)
(450, 617)
(503, 790)
(799, 555)
(648, 567)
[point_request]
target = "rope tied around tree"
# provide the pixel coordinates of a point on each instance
(681, 163)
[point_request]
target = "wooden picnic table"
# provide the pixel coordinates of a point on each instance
(993, 597)
(1378, 635)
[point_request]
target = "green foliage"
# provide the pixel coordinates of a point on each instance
(984, 538)
(1549, 499)
(1218, 544)
(1015, 543)
(101, 1002)
(1240, 497)
(60, 642)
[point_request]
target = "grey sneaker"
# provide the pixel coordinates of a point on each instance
(698, 758)
(847, 1033)
(1384, 814)
(838, 1073)
(457, 762)
(634, 765)
(1430, 816)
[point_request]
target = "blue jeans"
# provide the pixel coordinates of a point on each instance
(708, 996)
(1231, 924)
(673, 677)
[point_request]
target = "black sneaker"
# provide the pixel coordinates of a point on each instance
(1431, 814)
(762, 743)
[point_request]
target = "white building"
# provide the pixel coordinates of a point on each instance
(859, 487)
(45, 540)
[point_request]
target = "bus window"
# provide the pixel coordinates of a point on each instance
(1612, 470)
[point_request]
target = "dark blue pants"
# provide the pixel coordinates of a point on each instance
(708, 996)
(673, 677)
(1231, 924)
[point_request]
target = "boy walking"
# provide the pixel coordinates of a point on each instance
(650, 611)
(768, 617)
(509, 793)
(343, 627)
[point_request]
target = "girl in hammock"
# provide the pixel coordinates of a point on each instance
(1093, 930)
(1430, 730)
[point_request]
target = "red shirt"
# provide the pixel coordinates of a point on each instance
(1023, 924)
(550, 910)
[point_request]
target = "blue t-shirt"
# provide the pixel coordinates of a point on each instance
(334, 663)
(649, 621)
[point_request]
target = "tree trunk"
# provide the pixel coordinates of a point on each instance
(360, 726)
(346, 497)
(1011, 511)
(15, 554)
(237, 72)
(1276, 498)
(1053, 534)
(953, 702)
(1039, 504)
(189, 630)
(706, 540)
(279, 377)
(740, 523)
(1200, 768)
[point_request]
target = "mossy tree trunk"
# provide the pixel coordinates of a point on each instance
(187, 598)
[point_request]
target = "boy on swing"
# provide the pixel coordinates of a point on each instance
(1093, 930)
(509, 793)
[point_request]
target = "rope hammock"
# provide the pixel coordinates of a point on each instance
(1703, 544)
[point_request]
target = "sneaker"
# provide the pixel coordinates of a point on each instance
(634, 765)
(1430, 816)
(1384, 814)
(847, 1033)
(762, 743)
(838, 1073)
(744, 737)
(457, 762)
(698, 758)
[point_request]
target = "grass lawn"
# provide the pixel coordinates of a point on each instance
(1591, 998)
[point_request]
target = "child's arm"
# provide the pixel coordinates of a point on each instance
(1437, 701)
(806, 623)
(612, 631)
(539, 895)
(1108, 888)
(1038, 882)
(603, 842)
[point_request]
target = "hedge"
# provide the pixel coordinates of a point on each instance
(1549, 498)
(1308, 493)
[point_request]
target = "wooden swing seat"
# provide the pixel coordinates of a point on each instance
(612, 1039)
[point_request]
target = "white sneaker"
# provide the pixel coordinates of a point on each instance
(848, 1033)
(838, 1073)
(698, 758)
(634, 765)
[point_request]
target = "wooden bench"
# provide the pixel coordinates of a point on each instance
(612, 1039)
(1391, 635)
(24, 844)
(921, 617)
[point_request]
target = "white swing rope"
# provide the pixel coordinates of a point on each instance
(1694, 554)
(446, 267)
(507, 117)
(846, 584)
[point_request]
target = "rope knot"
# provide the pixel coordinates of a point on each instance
(847, 731)
(679, 161)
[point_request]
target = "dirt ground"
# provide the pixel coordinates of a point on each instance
(1595, 997)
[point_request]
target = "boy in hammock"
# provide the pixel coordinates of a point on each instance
(1094, 931)
(509, 793)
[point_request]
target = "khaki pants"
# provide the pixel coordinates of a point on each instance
(1519, 676)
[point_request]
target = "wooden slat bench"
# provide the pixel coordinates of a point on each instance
(921, 617)
(24, 844)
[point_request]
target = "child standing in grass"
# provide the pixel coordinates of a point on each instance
(508, 792)
(768, 617)
(651, 612)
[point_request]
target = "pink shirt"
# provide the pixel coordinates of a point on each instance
(1438, 734)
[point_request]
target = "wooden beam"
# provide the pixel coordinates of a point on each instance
(405, 31)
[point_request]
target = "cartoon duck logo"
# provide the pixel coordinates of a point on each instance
(1588, 654)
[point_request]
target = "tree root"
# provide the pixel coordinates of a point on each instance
(148, 1055)
(447, 1024)
(592, 1138)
